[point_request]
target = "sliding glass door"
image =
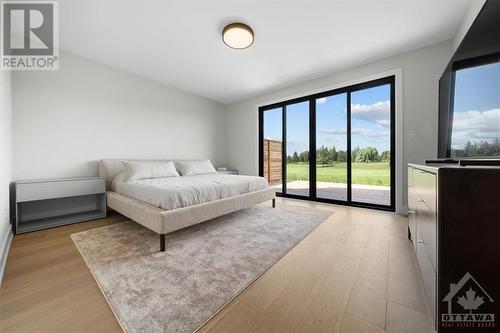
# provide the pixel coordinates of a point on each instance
(297, 149)
(336, 146)
(272, 148)
(331, 147)
(371, 145)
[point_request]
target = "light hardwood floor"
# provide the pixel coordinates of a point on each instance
(355, 273)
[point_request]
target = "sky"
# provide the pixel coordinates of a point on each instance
(370, 109)
(476, 105)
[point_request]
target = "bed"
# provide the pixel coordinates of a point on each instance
(168, 204)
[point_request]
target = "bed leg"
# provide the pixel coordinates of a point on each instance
(274, 202)
(162, 242)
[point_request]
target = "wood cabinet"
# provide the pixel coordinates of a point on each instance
(412, 204)
(423, 227)
(454, 226)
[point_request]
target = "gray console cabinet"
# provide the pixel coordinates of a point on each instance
(422, 224)
(42, 204)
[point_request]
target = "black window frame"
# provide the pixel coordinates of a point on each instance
(456, 66)
(312, 142)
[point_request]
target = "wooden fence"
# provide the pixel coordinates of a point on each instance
(272, 161)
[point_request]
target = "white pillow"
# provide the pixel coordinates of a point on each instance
(190, 168)
(120, 178)
(146, 169)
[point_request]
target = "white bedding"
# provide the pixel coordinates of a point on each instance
(176, 192)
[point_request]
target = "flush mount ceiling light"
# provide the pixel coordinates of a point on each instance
(237, 36)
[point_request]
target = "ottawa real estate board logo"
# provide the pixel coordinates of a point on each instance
(29, 35)
(469, 305)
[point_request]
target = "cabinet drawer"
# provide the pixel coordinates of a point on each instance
(429, 278)
(425, 184)
(57, 189)
(412, 215)
(427, 231)
(410, 176)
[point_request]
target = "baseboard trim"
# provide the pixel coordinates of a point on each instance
(5, 253)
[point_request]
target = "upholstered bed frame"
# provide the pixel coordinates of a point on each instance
(164, 221)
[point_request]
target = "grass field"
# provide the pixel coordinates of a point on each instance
(377, 173)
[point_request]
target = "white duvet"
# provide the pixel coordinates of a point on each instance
(176, 192)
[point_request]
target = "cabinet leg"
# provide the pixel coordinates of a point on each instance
(162, 243)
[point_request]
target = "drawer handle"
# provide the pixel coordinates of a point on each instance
(420, 241)
(420, 200)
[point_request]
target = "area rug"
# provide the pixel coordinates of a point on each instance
(203, 268)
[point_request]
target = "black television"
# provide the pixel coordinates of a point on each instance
(469, 92)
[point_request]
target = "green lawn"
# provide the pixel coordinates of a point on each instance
(376, 173)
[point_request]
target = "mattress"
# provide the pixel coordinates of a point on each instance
(176, 192)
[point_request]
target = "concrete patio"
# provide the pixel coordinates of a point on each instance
(380, 195)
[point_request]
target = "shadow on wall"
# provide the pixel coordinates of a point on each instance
(93, 168)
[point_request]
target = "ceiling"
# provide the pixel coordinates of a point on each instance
(178, 42)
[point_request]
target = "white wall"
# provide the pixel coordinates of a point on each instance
(5, 162)
(421, 70)
(65, 121)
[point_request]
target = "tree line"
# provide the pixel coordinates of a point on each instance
(325, 155)
(482, 148)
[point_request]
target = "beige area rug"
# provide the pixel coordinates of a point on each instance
(202, 269)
